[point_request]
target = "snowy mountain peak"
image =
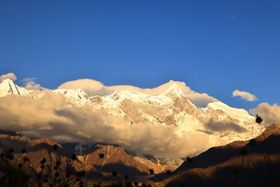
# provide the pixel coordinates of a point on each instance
(75, 96)
(174, 90)
(8, 87)
(120, 95)
(7, 81)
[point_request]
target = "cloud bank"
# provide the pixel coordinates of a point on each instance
(50, 116)
(244, 95)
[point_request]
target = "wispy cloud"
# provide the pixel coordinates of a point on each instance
(270, 113)
(30, 84)
(11, 76)
(244, 95)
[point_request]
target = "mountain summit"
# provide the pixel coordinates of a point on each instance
(8, 87)
(174, 91)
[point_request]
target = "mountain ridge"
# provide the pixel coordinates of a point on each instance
(217, 121)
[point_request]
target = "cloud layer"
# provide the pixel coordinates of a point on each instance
(50, 116)
(30, 84)
(244, 95)
(11, 76)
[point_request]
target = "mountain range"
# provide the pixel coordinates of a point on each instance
(216, 123)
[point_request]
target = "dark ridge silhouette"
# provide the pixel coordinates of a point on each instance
(8, 132)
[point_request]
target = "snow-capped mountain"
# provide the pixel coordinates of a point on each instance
(172, 107)
(220, 122)
(74, 96)
(8, 87)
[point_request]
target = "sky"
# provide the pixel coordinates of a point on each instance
(215, 47)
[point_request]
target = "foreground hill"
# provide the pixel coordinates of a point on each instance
(243, 163)
(25, 161)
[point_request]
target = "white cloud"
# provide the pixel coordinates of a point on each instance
(90, 86)
(30, 84)
(93, 87)
(11, 76)
(244, 95)
(200, 99)
(269, 113)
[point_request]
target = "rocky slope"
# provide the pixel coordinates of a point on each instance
(45, 161)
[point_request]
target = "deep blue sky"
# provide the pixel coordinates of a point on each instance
(215, 46)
